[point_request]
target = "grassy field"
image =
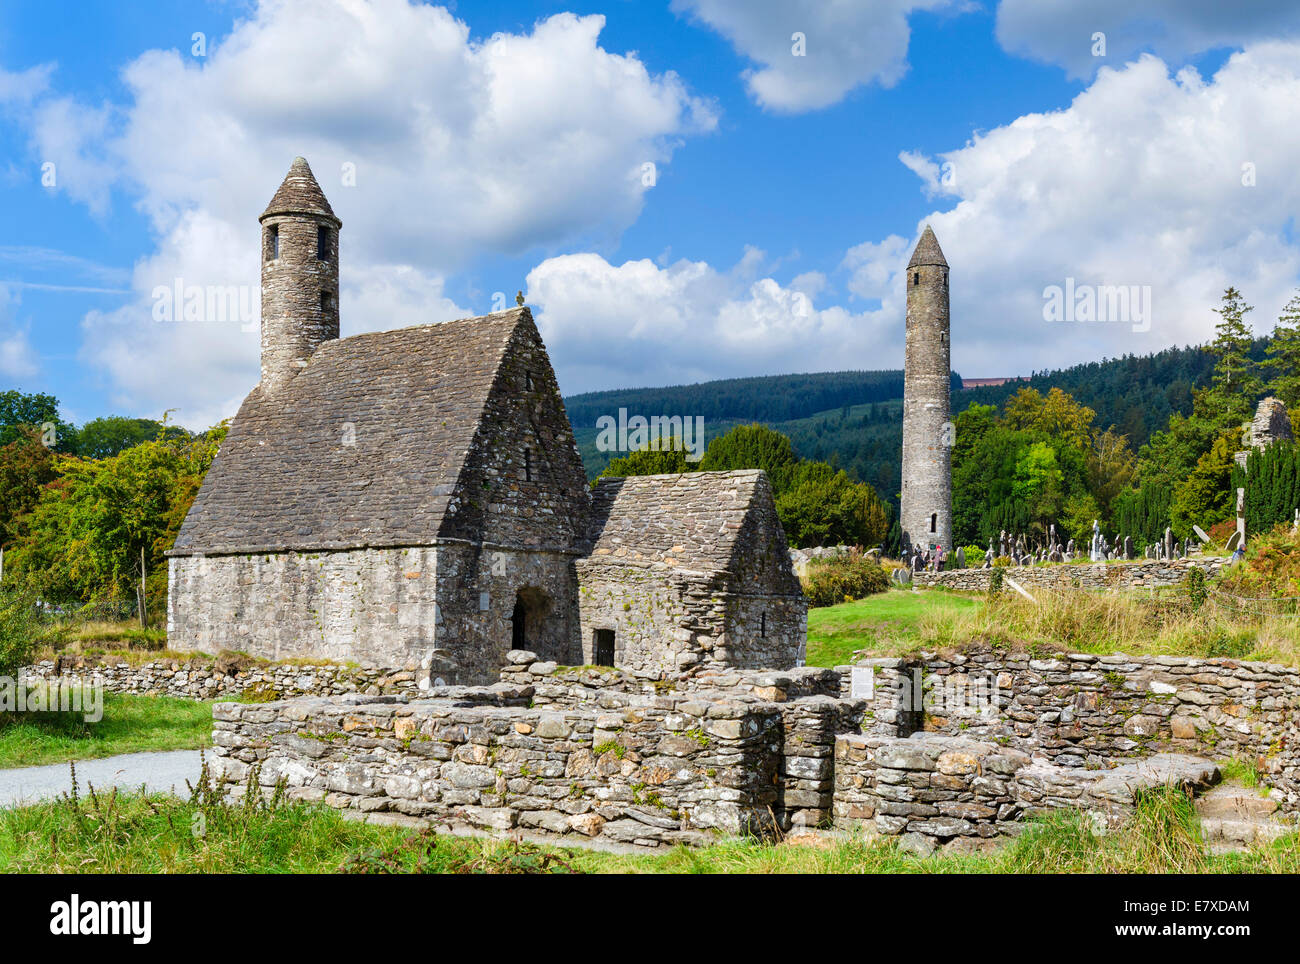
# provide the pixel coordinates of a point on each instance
(888, 623)
(903, 621)
(130, 724)
(123, 638)
(134, 834)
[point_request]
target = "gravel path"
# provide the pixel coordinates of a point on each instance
(159, 772)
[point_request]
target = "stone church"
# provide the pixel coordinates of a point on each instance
(415, 498)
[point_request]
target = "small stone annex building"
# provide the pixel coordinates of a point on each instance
(686, 570)
(415, 498)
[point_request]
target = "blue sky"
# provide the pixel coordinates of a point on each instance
(787, 192)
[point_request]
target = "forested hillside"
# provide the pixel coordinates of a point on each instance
(1139, 444)
(853, 419)
(770, 398)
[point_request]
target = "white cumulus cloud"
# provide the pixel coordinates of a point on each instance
(1062, 31)
(18, 358)
(434, 148)
(1144, 180)
(638, 323)
(844, 45)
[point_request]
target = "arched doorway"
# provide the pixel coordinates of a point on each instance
(527, 620)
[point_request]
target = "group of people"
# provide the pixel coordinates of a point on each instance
(930, 559)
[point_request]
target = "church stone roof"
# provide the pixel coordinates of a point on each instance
(689, 521)
(299, 194)
(363, 447)
(927, 250)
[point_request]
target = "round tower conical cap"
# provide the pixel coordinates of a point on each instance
(300, 194)
(927, 250)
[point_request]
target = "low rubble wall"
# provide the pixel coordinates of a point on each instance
(1062, 576)
(1095, 712)
(199, 678)
(659, 772)
(932, 790)
(944, 752)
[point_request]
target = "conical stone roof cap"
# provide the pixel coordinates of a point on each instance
(927, 250)
(300, 194)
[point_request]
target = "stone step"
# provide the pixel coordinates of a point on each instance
(1234, 802)
(1234, 817)
(1218, 829)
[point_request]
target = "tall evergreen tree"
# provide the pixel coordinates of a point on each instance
(1236, 384)
(1284, 355)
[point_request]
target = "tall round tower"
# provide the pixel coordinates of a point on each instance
(926, 510)
(300, 275)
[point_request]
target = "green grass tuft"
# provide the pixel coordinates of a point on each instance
(131, 724)
(137, 834)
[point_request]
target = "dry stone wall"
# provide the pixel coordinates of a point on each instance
(646, 772)
(953, 752)
(742, 759)
(933, 790)
(572, 685)
(808, 699)
(207, 679)
(1131, 575)
(1085, 711)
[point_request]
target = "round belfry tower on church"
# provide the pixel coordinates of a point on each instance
(926, 504)
(300, 275)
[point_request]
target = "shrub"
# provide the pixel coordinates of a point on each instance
(842, 578)
(1271, 567)
(1228, 644)
(18, 630)
(995, 580)
(1195, 587)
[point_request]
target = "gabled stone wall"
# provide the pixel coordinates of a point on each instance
(667, 622)
(478, 591)
(689, 570)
